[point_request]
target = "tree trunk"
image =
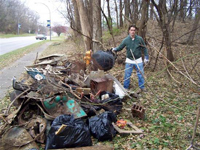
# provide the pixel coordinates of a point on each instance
(190, 10)
(135, 11)
(195, 26)
(165, 26)
(109, 27)
(132, 10)
(85, 26)
(144, 19)
(109, 15)
(167, 37)
(183, 4)
(120, 14)
(97, 30)
(77, 24)
(175, 11)
(88, 8)
(127, 10)
(151, 11)
(116, 10)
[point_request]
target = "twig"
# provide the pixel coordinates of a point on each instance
(154, 93)
(186, 70)
(193, 66)
(195, 128)
(158, 53)
(121, 71)
(177, 68)
(172, 77)
(184, 35)
(109, 27)
(93, 40)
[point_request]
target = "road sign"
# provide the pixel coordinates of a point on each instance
(19, 25)
(48, 23)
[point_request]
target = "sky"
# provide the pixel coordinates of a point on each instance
(41, 7)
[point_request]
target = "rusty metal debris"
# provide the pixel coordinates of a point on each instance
(17, 137)
(102, 84)
(55, 85)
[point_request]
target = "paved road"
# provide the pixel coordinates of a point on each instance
(16, 69)
(10, 44)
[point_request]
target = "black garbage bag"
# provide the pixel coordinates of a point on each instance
(101, 126)
(76, 133)
(113, 103)
(103, 60)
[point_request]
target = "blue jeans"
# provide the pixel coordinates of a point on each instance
(128, 72)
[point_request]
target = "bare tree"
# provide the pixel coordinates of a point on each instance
(191, 3)
(164, 24)
(14, 12)
(97, 29)
(109, 15)
(120, 13)
(174, 10)
(151, 11)
(144, 19)
(109, 21)
(134, 11)
(116, 10)
(127, 11)
(76, 24)
(183, 4)
(59, 29)
(195, 25)
(85, 26)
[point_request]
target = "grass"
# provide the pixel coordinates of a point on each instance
(58, 38)
(170, 116)
(10, 57)
(15, 35)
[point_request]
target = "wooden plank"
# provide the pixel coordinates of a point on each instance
(135, 130)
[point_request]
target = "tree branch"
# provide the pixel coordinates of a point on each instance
(93, 40)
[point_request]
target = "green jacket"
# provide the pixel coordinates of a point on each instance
(136, 46)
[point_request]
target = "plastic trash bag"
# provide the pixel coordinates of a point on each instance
(103, 60)
(112, 103)
(118, 90)
(75, 134)
(101, 126)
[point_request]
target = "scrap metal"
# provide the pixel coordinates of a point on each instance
(57, 86)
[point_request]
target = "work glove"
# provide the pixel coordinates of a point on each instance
(146, 60)
(113, 50)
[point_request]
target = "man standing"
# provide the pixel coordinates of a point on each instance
(134, 46)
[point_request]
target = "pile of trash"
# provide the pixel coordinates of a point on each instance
(62, 103)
